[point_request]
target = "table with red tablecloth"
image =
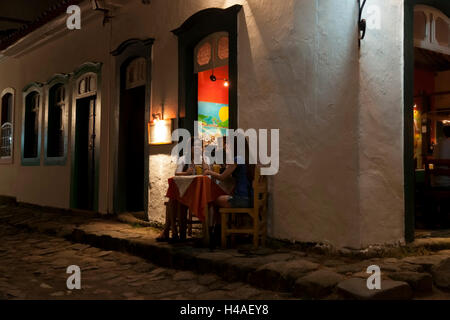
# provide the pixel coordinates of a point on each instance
(198, 192)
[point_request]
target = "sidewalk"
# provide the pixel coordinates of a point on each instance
(307, 274)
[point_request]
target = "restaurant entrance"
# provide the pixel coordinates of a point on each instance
(430, 115)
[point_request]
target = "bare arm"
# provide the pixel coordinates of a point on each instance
(228, 172)
(189, 172)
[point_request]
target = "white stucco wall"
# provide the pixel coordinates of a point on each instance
(299, 72)
(50, 185)
(339, 110)
(381, 178)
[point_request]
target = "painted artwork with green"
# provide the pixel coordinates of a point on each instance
(213, 120)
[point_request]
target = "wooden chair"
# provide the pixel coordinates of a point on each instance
(258, 214)
(433, 168)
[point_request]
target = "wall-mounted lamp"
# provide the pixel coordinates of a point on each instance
(362, 25)
(159, 130)
(214, 79)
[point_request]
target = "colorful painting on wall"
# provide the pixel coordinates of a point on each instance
(213, 109)
(213, 120)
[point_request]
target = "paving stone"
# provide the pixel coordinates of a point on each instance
(196, 289)
(444, 252)
(158, 272)
(441, 274)
(45, 286)
(356, 288)
(365, 275)
(411, 267)
(317, 284)
(333, 263)
(233, 286)
(427, 262)
(419, 282)
(244, 292)
(351, 268)
(170, 293)
(389, 267)
(217, 285)
(184, 276)
(207, 279)
(280, 276)
(80, 246)
(129, 294)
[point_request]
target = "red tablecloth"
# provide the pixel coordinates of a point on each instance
(198, 195)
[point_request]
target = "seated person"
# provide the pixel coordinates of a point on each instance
(442, 151)
(242, 196)
(184, 168)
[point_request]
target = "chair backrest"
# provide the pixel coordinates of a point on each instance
(436, 167)
(260, 188)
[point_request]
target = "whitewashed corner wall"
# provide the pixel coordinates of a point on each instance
(381, 176)
(298, 71)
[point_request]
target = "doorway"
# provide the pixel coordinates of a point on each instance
(131, 148)
(85, 144)
(427, 111)
(131, 116)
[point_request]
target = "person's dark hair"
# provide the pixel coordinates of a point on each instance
(447, 131)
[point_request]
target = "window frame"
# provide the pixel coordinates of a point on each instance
(30, 88)
(58, 79)
(431, 42)
(12, 91)
(195, 29)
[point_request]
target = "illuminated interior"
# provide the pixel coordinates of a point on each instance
(213, 87)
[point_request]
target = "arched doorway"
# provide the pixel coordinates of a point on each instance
(427, 53)
(85, 137)
(132, 134)
(131, 115)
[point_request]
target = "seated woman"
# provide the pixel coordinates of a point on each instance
(242, 196)
(184, 168)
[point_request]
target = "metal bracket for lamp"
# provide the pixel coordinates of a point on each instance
(156, 116)
(96, 6)
(362, 25)
(214, 79)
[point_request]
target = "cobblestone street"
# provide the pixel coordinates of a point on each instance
(119, 260)
(33, 266)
